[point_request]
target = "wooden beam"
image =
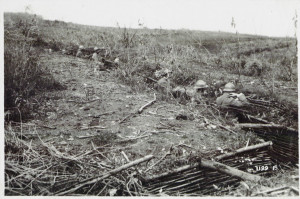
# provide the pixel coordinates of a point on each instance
(270, 125)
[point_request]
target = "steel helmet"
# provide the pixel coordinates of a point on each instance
(229, 87)
(163, 82)
(80, 47)
(96, 48)
(200, 84)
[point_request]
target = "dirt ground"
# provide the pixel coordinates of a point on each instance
(71, 118)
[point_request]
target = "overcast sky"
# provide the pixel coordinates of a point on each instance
(263, 17)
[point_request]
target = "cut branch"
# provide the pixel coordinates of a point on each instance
(146, 105)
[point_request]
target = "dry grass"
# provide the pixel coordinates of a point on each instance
(44, 167)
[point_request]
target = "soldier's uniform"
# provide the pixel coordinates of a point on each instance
(230, 98)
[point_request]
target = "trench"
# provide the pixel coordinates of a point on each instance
(267, 161)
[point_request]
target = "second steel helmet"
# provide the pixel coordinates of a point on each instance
(229, 87)
(200, 84)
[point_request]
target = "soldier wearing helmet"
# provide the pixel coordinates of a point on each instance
(196, 92)
(200, 85)
(230, 98)
(79, 51)
(95, 55)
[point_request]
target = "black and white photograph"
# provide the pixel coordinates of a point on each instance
(149, 98)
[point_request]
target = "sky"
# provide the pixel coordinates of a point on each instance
(260, 17)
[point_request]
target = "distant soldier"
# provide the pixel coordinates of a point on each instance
(163, 85)
(200, 90)
(201, 86)
(230, 98)
(95, 55)
(79, 51)
(117, 61)
(197, 92)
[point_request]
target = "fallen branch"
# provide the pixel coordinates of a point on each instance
(257, 119)
(151, 79)
(160, 160)
(135, 138)
(146, 105)
(271, 190)
(125, 118)
(257, 125)
(242, 150)
(125, 156)
(229, 170)
(85, 136)
(294, 189)
(108, 174)
(138, 111)
(48, 127)
(225, 128)
(93, 127)
(97, 116)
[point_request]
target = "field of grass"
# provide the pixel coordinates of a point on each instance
(49, 88)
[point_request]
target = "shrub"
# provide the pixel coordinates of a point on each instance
(23, 74)
(253, 67)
